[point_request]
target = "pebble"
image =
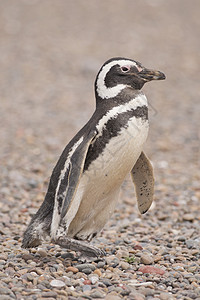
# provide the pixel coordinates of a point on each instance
(86, 270)
(146, 259)
(124, 265)
(112, 297)
(72, 269)
(136, 296)
(49, 294)
(86, 288)
(107, 282)
(151, 270)
(98, 272)
(101, 264)
(41, 252)
(188, 217)
(27, 257)
(81, 267)
(97, 294)
(67, 255)
(57, 283)
(94, 279)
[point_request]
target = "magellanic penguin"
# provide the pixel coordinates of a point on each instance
(85, 183)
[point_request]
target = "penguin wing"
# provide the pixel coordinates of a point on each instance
(143, 179)
(71, 174)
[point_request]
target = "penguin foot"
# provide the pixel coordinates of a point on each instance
(75, 245)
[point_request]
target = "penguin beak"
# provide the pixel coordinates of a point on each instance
(148, 75)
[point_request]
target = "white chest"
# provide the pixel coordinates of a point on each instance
(119, 155)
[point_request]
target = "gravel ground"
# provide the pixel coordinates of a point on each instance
(50, 53)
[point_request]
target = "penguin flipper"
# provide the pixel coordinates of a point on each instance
(143, 179)
(69, 181)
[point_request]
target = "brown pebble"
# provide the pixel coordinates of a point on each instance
(98, 272)
(27, 257)
(137, 247)
(157, 258)
(42, 252)
(22, 271)
(72, 269)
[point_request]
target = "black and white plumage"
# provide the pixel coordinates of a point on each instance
(86, 180)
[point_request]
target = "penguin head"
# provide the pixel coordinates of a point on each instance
(119, 73)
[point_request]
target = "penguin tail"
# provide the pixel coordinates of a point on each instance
(39, 227)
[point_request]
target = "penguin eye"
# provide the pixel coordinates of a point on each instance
(125, 69)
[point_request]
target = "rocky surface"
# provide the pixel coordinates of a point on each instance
(49, 54)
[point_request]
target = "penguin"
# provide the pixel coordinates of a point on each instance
(85, 183)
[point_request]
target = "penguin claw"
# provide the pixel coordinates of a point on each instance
(80, 246)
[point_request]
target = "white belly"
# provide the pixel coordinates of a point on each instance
(98, 189)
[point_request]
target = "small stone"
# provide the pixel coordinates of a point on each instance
(112, 260)
(97, 294)
(146, 259)
(101, 264)
(57, 283)
(157, 258)
(30, 277)
(85, 266)
(136, 296)
(188, 217)
(93, 278)
(67, 255)
(181, 239)
(87, 282)
(178, 267)
(137, 247)
(151, 270)
(147, 291)
(192, 268)
(41, 252)
(9, 271)
(107, 282)
(50, 294)
(27, 257)
(87, 271)
(122, 253)
(86, 288)
(165, 296)
(72, 269)
(98, 272)
(112, 297)
(191, 244)
(39, 271)
(124, 265)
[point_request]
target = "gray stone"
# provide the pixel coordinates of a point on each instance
(87, 271)
(106, 281)
(85, 266)
(50, 294)
(97, 294)
(86, 288)
(101, 264)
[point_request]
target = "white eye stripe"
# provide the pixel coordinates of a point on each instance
(102, 90)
